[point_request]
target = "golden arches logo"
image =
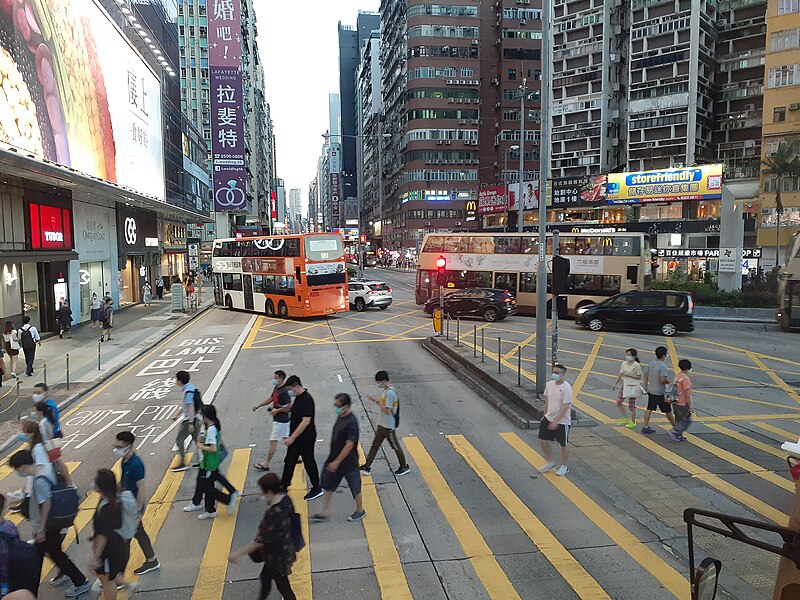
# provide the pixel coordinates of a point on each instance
(472, 206)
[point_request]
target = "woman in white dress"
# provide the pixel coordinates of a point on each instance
(147, 294)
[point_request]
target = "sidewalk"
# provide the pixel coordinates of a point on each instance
(136, 329)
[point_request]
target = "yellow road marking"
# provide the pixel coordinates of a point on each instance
(388, 568)
(253, 333)
(158, 507)
(671, 579)
(673, 354)
(788, 436)
(580, 381)
(740, 351)
(211, 575)
(714, 481)
(568, 567)
(371, 324)
(774, 376)
(775, 451)
(333, 342)
(523, 343)
(5, 471)
(497, 585)
(301, 569)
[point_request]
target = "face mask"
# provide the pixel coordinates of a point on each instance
(555, 376)
(628, 357)
(22, 437)
(38, 398)
(666, 357)
(275, 382)
(292, 394)
(119, 452)
(33, 416)
(20, 474)
(338, 410)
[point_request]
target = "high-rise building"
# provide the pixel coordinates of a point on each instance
(781, 122)
(369, 130)
(294, 211)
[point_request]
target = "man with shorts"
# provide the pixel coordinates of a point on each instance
(656, 378)
(554, 426)
(342, 462)
(281, 405)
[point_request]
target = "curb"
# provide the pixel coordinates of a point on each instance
(735, 320)
(67, 402)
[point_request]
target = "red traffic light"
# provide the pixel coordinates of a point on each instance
(441, 262)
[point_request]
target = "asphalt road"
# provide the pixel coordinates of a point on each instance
(473, 519)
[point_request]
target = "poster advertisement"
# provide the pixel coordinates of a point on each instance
(703, 182)
(492, 199)
(578, 191)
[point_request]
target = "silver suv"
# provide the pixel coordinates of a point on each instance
(364, 294)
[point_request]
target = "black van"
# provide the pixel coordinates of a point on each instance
(668, 312)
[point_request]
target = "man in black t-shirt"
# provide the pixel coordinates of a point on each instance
(342, 462)
(303, 435)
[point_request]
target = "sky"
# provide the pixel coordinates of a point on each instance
(299, 48)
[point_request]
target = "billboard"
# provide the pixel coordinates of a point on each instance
(227, 106)
(702, 182)
(492, 199)
(530, 195)
(79, 94)
(577, 191)
(334, 195)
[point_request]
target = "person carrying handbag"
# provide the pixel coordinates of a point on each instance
(630, 374)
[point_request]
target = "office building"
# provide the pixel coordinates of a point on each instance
(369, 129)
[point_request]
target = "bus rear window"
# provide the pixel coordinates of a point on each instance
(324, 248)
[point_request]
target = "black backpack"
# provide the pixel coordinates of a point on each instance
(103, 316)
(26, 564)
(26, 339)
(198, 401)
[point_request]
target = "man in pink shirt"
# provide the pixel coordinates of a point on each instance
(554, 426)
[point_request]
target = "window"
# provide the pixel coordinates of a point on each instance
(506, 281)
(779, 114)
(675, 300)
(512, 74)
(788, 6)
(527, 283)
(232, 281)
(785, 40)
(783, 76)
(467, 72)
(596, 285)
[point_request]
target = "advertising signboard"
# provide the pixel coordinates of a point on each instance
(530, 195)
(227, 105)
(578, 191)
(333, 191)
(80, 94)
(51, 227)
(492, 199)
(137, 230)
(703, 182)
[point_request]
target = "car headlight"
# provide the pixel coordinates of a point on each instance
(583, 310)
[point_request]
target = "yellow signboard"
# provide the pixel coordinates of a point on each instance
(703, 182)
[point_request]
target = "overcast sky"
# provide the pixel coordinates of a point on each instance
(299, 48)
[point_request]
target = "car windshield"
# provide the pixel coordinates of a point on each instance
(379, 287)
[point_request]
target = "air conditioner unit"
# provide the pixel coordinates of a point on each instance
(495, 164)
(794, 107)
(462, 121)
(498, 104)
(447, 142)
(461, 162)
(496, 125)
(749, 107)
(439, 142)
(459, 101)
(474, 42)
(722, 22)
(523, 22)
(495, 81)
(579, 153)
(678, 165)
(451, 100)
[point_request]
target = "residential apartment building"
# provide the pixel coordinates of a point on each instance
(369, 129)
(781, 120)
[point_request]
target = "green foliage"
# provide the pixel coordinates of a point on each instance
(760, 292)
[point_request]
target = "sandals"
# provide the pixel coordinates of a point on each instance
(260, 467)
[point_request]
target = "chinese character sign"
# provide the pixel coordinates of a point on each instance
(224, 33)
(578, 191)
(227, 139)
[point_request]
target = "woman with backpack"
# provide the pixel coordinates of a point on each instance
(214, 453)
(111, 552)
(274, 545)
(11, 345)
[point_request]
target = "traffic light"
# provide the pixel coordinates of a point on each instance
(441, 268)
(560, 275)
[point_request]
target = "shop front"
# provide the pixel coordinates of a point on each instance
(701, 263)
(173, 250)
(139, 259)
(95, 241)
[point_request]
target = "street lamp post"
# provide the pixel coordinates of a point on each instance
(523, 92)
(513, 148)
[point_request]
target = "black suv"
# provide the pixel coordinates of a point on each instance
(488, 303)
(668, 312)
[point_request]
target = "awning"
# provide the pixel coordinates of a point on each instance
(22, 164)
(24, 256)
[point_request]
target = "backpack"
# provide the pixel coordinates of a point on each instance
(27, 564)
(397, 412)
(103, 316)
(130, 515)
(198, 401)
(64, 503)
(26, 339)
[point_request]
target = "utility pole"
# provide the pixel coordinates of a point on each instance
(544, 171)
(523, 92)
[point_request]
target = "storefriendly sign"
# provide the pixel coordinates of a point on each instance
(669, 185)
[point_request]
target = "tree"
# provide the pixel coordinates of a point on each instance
(785, 164)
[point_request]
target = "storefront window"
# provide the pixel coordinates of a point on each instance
(128, 282)
(30, 295)
(661, 213)
(705, 210)
(11, 295)
(614, 215)
(92, 281)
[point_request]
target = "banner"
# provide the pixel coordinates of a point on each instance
(530, 195)
(578, 191)
(334, 195)
(669, 185)
(227, 106)
(492, 199)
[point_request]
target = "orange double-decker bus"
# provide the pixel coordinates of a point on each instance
(287, 276)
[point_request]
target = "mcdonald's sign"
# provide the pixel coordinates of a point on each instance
(471, 210)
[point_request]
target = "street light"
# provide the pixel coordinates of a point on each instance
(361, 136)
(513, 148)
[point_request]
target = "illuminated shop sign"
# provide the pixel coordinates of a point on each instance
(51, 227)
(703, 182)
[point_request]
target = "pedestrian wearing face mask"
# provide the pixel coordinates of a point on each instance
(342, 462)
(630, 389)
(41, 393)
(132, 480)
(302, 437)
(554, 426)
(388, 421)
(683, 405)
(280, 407)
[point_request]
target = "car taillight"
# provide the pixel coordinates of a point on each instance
(389, 290)
(508, 300)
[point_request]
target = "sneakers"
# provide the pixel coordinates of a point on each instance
(401, 471)
(648, 430)
(549, 466)
(313, 494)
(78, 590)
(674, 436)
(623, 421)
(235, 496)
(192, 507)
(630, 425)
(205, 516)
(562, 470)
(318, 518)
(365, 470)
(147, 567)
(357, 516)
(59, 579)
(179, 468)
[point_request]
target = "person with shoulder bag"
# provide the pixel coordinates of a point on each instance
(112, 534)
(278, 541)
(29, 340)
(11, 345)
(52, 444)
(630, 374)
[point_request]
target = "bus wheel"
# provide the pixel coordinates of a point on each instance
(228, 302)
(270, 308)
(283, 310)
(595, 324)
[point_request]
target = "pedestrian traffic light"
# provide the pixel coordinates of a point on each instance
(560, 275)
(441, 268)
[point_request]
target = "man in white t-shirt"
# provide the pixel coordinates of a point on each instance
(554, 426)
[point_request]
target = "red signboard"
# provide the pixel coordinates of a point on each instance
(492, 199)
(51, 228)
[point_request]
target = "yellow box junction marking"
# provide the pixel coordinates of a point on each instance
(301, 569)
(635, 548)
(385, 559)
(788, 436)
(568, 567)
(714, 481)
(211, 575)
(251, 337)
(773, 450)
(774, 376)
(472, 543)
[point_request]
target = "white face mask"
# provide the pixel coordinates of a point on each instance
(629, 358)
(38, 397)
(119, 452)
